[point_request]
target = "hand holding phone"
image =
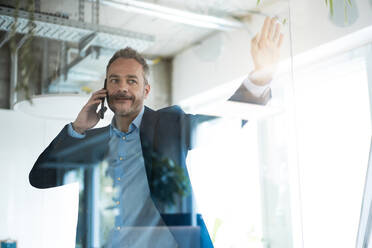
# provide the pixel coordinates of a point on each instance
(101, 112)
(88, 116)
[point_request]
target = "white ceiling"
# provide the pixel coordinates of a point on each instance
(170, 37)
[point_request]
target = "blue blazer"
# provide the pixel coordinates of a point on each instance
(165, 133)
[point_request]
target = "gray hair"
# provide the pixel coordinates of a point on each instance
(130, 53)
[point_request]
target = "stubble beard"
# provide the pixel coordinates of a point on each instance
(132, 110)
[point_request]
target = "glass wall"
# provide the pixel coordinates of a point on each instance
(244, 124)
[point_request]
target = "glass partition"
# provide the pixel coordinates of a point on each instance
(332, 118)
(225, 124)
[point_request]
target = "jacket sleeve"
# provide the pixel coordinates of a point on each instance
(66, 153)
(243, 94)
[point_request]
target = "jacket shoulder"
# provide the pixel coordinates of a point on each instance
(175, 109)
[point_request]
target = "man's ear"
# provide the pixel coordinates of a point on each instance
(147, 89)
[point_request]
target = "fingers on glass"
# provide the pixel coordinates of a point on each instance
(254, 41)
(265, 29)
(271, 30)
(280, 42)
(277, 32)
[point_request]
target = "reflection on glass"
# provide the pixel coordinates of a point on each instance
(136, 187)
(137, 191)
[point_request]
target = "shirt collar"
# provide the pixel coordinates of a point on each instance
(135, 123)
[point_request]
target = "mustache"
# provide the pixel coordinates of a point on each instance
(121, 96)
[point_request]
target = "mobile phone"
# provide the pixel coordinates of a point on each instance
(101, 112)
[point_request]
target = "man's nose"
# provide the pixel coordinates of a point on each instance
(123, 86)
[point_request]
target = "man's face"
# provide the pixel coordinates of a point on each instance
(126, 87)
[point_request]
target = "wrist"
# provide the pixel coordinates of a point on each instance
(260, 77)
(77, 128)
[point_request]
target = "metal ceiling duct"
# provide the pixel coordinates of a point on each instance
(59, 28)
(96, 44)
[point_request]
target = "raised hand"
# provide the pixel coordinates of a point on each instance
(88, 116)
(265, 51)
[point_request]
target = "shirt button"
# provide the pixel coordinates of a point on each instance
(119, 178)
(123, 138)
(121, 158)
(117, 203)
(118, 228)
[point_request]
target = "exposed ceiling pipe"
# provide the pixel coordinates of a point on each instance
(175, 15)
(13, 98)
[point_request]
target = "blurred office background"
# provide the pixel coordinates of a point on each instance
(290, 173)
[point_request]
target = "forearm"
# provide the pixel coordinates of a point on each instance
(44, 172)
(63, 153)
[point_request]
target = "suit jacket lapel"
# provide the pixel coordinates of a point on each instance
(147, 131)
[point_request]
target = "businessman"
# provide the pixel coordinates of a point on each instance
(142, 151)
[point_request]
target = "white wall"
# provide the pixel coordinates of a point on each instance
(159, 81)
(310, 28)
(35, 218)
(191, 75)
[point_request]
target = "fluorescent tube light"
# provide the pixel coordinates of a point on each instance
(175, 15)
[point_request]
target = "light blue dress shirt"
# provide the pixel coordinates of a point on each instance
(131, 202)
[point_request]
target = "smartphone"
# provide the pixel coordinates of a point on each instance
(101, 112)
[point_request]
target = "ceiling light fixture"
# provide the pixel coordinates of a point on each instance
(175, 15)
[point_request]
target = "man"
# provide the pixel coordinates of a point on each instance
(144, 150)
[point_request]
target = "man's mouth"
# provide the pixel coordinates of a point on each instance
(123, 99)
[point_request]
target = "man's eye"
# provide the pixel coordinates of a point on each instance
(114, 80)
(131, 81)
